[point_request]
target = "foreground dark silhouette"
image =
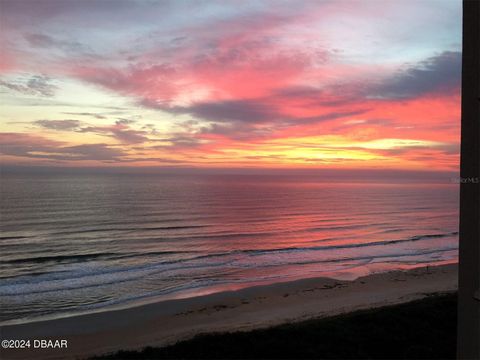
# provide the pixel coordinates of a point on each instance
(422, 329)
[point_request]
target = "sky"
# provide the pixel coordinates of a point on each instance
(371, 84)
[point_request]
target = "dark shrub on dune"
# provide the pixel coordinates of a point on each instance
(422, 329)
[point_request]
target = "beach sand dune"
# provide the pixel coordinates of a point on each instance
(166, 322)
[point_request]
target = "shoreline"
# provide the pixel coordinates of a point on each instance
(224, 288)
(166, 322)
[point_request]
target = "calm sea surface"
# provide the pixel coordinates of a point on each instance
(72, 244)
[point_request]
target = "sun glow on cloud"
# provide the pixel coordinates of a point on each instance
(286, 84)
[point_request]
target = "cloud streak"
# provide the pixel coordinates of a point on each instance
(39, 85)
(36, 147)
(437, 74)
(62, 125)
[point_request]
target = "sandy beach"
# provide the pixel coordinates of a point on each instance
(166, 322)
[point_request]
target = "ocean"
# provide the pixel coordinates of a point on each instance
(75, 244)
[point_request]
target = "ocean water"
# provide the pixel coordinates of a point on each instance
(75, 244)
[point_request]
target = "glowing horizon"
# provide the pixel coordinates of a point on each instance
(268, 84)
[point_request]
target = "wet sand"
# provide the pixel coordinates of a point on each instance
(169, 321)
